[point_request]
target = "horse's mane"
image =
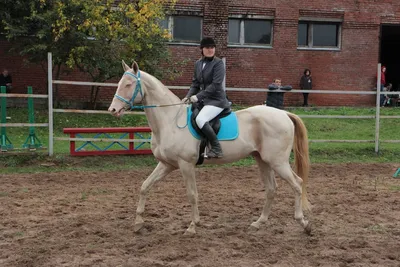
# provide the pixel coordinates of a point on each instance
(158, 83)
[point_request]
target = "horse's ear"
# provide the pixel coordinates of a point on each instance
(135, 67)
(125, 66)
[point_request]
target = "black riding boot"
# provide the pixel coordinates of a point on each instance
(215, 151)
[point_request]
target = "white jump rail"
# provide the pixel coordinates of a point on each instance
(51, 110)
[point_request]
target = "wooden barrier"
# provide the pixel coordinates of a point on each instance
(105, 135)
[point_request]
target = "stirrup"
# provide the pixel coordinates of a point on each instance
(213, 155)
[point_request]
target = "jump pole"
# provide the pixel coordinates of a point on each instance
(5, 141)
(32, 142)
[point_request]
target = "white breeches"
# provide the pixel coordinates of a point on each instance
(206, 114)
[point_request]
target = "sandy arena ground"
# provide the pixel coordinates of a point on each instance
(86, 219)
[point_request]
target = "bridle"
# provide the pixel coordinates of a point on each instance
(138, 89)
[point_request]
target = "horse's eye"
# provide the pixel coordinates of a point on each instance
(128, 85)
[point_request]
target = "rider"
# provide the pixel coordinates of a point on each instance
(207, 89)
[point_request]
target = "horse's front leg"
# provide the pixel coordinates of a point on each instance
(189, 176)
(162, 170)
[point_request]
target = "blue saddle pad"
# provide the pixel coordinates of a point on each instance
(229, 129)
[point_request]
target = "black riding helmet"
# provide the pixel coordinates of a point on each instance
(207, 42)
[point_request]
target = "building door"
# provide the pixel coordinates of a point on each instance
(390, 53)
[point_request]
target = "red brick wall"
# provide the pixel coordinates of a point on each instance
(351, 68)
(23, 74)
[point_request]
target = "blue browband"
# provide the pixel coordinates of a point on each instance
(138, 89)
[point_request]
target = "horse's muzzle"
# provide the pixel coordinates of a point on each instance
(115, 112)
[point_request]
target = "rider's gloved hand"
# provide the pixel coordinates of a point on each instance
(194, 99)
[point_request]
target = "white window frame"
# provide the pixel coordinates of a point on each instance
(311, 22)
(242, 19)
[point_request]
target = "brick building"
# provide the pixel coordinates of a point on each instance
(340, 41)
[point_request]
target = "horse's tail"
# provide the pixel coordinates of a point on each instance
(302, 159)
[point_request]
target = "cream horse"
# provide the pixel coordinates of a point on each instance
(266, 133)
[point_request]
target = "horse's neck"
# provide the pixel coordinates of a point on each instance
(156, 93)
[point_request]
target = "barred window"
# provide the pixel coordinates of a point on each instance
(313, 34)
(250, 31)
(183, 28)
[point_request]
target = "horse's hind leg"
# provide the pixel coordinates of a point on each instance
(189, 176)
(268, 179)
(162, 170)
(285, 172)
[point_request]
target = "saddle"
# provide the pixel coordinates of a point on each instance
(214, 123)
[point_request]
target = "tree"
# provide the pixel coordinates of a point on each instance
(28, 24)
(129, 30)
(94, 36)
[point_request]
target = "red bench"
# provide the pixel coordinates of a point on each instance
(113, 137)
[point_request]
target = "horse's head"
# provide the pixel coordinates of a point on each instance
(129, 90)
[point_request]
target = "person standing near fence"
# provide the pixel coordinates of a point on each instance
(6, 80)
(306, 84)
(275, 99)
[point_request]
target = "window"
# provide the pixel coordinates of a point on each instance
(250, 32)
(183, 28)
(318, 34)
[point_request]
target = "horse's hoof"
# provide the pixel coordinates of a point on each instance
(254, 227)
(190, 232)
(138, 226)
(307, 229)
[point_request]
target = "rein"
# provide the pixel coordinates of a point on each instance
(156, 106)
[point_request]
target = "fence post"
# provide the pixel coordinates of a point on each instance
(5, 142)
(50, 100)
(378, 107)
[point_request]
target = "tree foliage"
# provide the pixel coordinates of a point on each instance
(29, 24)
(92, 36)
(110, 32)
